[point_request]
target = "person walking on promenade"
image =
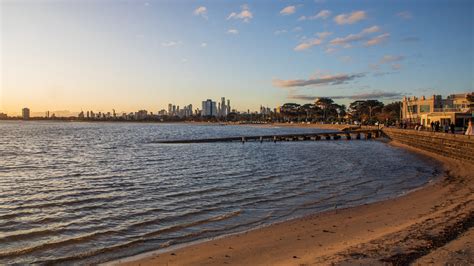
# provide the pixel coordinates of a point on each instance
(452, 126)
(437, 126)
(446, 128)
(432, 126)
(470, 129)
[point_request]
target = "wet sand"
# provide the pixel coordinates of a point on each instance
(431, 225)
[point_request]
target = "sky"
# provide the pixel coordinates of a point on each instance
(129, 55)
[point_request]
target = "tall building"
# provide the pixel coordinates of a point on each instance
(223, 109)
(209, 108)
(228, 107)
(25, 113)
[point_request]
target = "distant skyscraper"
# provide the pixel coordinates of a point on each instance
(26, 113)
(209, 108)
(223, 109)
(228, 107)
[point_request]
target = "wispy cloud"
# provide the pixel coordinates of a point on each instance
(391, 58)
(323, 14)
(377, 40)
(410, 39)
(330, 50)
(201, 11)
(351, 18)
(297, 29)
(396, 66)
(278, 32)
(324, 34)
(405, 15)
(317, 80)
(203, 45)
(381, 73)
(244, 14)
(372, 29)
(288, 10)
(351, 38)
(308, 43)
(387, 59)
(346, 59)
(233, 31)
(361, 96)
(171, 43)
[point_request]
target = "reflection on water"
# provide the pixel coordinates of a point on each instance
(91, 192)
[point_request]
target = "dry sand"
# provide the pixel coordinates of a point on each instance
(430, 225)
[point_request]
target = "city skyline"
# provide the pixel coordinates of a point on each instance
(132, 55)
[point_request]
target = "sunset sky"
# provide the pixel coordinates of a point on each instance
(130, 55)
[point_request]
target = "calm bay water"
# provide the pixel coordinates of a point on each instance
(91, 192)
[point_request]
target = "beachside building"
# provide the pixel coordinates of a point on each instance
(456, 108)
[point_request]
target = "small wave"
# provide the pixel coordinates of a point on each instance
(139, 239)
(64, 203)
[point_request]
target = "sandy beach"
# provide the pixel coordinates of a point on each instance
(432, 225)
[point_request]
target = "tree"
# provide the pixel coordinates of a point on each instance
(325, 104)
(365, 110)
(373, 107)
(390, 112)
(311, 110)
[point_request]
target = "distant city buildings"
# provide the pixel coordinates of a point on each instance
(173, 110)
(3, 116)
(209, 108)
(456, 108)
(25, 113)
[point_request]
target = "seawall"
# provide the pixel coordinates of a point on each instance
(459, 147)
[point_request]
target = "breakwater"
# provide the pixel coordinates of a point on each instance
(454, 146)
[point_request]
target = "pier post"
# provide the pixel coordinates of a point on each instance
(328, 137)
(358, 136)
(261, 139)
(274, 139)
(348, 136)
(368, 135)
(243, 140)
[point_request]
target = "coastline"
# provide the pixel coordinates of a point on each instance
(406, 229)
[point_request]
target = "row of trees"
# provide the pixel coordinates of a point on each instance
(325, 109)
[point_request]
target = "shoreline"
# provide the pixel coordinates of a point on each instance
(404, 229)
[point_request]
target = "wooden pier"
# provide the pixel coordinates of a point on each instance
(337, 135)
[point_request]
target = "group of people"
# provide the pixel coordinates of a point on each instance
(436, 127)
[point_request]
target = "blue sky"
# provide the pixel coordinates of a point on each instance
(128, 55)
